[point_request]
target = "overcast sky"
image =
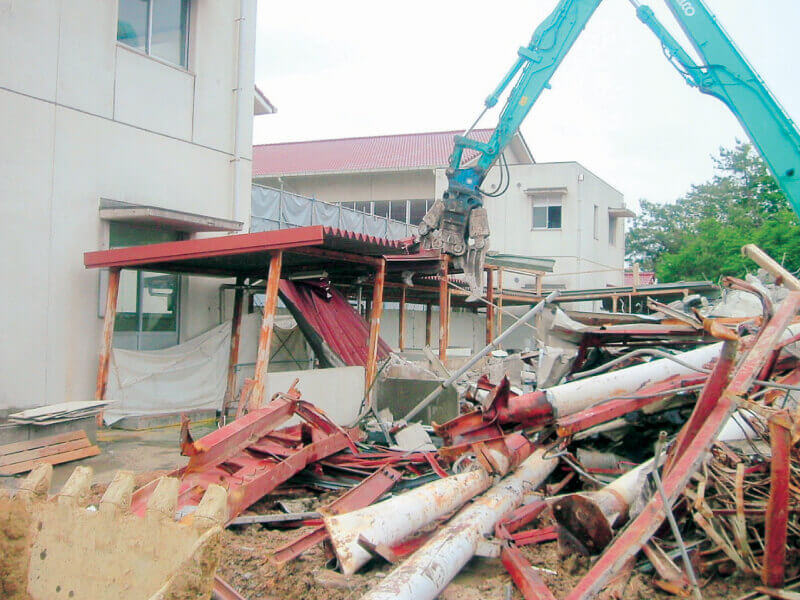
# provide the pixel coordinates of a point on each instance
(356, 68)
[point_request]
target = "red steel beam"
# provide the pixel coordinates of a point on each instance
(630, 541)
(339, 256)
(401, 322)
(523, 575)
(226, 245)
(595, 415)
(444, 309)
(364, 494)
(777, 517)
(489, 306)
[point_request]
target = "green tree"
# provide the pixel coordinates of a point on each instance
(700, 235)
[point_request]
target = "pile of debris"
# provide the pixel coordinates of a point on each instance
(652, 458)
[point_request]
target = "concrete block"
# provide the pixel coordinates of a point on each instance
(401, 395)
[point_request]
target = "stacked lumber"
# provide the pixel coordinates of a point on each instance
(57, 413)
(20, 457)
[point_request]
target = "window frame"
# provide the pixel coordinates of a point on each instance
(542, 200)
(184, 64)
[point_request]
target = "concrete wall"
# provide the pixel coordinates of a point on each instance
(87, 118)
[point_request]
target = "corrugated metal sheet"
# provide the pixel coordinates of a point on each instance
(336, 324)
(408, 151)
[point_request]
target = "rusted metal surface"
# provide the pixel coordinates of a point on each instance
(527, 580)
(778, 506)
(425, 574)
(248, 458)
(670, 578)
(375, 325)
(589, 519)
(364, 494)
(393, 520)
(444, 308)
(266, 334)
(685, 464)
(108, 335)
(233, 356)
(224, 591)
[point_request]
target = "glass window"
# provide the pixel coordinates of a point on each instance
(364, 207)
(399, 210)
(547, 213)
(417, 210)
(147, 301)
(158, 27)
(382, 209)
(612, 230)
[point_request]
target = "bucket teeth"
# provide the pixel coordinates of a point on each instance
(117, 499)
(76, 491)
(213, 508)
(164, 501)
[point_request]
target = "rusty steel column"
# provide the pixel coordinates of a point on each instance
(780, 437)
(375, 324)
(444, 309)
(401, 334)
(108, 337)
(426, 573)
(490, 305)
(265, 336)
(233, 356)
(428, 323)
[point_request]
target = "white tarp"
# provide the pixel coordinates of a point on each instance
(189, 376)
(193, 375)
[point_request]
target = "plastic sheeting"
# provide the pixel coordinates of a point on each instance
(273, 209)
(193, 375)
(338, 334)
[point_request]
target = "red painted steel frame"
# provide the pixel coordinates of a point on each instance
(233, 355)
(649, 520)
(778, 506)
(489, 305)
(256, 398)
(444, 308)
(364, 494)
(524, 576)
(375, 325)
(226, 245)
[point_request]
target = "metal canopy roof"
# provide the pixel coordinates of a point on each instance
(246, 254)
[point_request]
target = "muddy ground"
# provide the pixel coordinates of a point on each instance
(245, 565)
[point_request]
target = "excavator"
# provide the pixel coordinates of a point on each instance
(458, 224)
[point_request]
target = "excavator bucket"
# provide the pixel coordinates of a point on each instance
(62, 548)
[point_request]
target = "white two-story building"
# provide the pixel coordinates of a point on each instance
(123, 122)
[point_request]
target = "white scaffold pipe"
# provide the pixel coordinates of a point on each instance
(393, 520)
(476, 357)
(428, 571)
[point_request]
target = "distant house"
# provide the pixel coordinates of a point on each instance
(559, 211)
(124, 122)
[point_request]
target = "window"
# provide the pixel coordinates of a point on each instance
(596, 222)
(417, 210)
(547, 213)
(381, 209)
(398, 212)
(612, 230)
(159, 28)
(147, 302)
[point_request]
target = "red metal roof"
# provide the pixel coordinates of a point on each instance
(406, 151)
(241, 254)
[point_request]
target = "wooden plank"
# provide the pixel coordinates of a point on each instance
(28, 455)
(275, 518)
(40, 442)
(56, 459)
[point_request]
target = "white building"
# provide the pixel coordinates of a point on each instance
(559, 211)
(124, 122)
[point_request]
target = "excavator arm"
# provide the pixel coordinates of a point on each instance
(458, 223)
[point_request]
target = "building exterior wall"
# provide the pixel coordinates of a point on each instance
(582, 261)
(88, 118)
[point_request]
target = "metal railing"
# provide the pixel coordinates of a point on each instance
(272, 209)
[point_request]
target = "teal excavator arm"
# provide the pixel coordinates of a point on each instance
(460, 217)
